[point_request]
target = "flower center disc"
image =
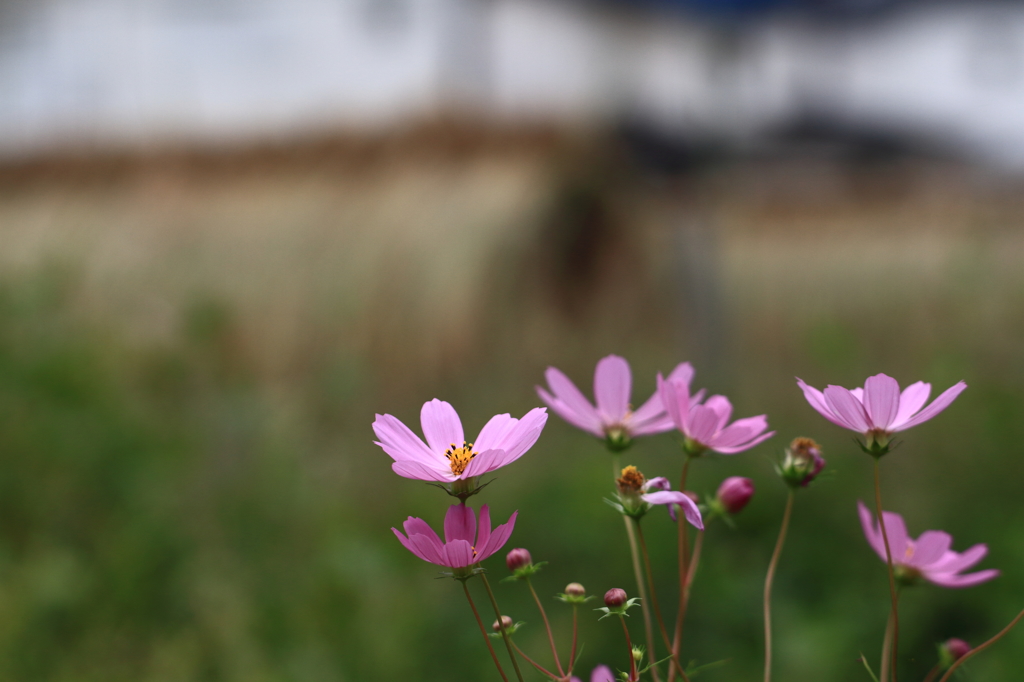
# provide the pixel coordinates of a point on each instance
(459, 458)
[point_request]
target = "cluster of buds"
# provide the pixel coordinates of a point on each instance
(802, 463)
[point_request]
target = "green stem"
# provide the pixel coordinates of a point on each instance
(892, 579)
(538, 666)
(883, 666)
(629, 646)
(683, 557)
(978, 649)
(501, 626)
(768, 586)
(483, 630)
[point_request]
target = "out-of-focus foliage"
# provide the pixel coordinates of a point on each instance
(188, 487)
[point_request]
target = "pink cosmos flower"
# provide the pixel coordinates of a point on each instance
(928, 557)
(463, 545)
(612, 418)
(602, 673)
(658, 491)
(447, 456)
(705, 425)
(879, 409)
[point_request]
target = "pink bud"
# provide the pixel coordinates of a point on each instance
(614, 598)
(518, 558)
(505, 621)
(575, 590)
(957, 648)
(734, 493)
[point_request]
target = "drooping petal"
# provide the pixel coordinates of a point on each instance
(689, 507)
(881, 400)
(421, 472)
(399, 441)
(657, 483)
(494, 432)
(938, 405)
(817, 401)
(499, 536)
(954, 581)
(845, 406)
(912, 399)
(459, 554)
(416, 526)
(460, 524)
(589, 423)
(441, 425)
(930, 547)
(422, 540)
(613, 383)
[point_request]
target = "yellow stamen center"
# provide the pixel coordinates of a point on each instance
(632, 480)
(459, 458)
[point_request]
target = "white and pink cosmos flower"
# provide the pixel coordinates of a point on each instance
(879, 409)
(464, 544)
(706, 423)
(928, 557)
(612, 418)
(447, 456)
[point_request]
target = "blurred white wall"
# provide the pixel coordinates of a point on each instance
(142, 71)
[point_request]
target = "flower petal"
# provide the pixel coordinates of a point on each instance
(817, 401)
(723, 409)
(675, 396)
(845, 406)
(523, 434)
(400, 442)
(896, 530)
(602, 673)
(499, 536)
(484, 463)
(732, 450)
(460, 524)
(740, 431)
(703, 424)
(651, 417)
(494, 432)
(952, 562)
(484, 532)
(930, 547)
(969, 580)
(871, 533)
(613, 383)
(441, 426)
(459, 554)
(938, 405)
(881, 400)
(689, 507)
(562, 410)
(421, 472)
(912, 399)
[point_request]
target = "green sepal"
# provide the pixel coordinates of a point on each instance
(569, 599)
(508, 631)
(524, 572)
(618, 611)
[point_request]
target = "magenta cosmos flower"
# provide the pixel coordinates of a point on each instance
(463, 545)
(447, 457)
(928, 557)
(879, 409)
(612, 419)
(706, 425)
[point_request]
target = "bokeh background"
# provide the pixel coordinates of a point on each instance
(231, 232)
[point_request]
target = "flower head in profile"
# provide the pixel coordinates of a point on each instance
(801, 463)
(928, 557)
(706, 424)
(879, 409)
(464, 545)
(447, 457)
(612, 418)
(636, 495)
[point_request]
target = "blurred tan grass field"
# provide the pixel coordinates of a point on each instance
(192, 348)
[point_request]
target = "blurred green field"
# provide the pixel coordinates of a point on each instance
(190, 361)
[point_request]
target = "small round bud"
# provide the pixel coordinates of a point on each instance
(957, 648)
(575, 590)
(518, 558)
(735, 492)
(505, 621)
(615, 597)
(638, 654)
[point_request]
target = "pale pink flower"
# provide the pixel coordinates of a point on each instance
(928, 557)
(463, 545)
(601, 673)
(706, 425)
(613, 417)
(879, 409)
(447, 456)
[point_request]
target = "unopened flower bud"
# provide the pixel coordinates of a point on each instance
(638, 654)
(802, 462)
(575, 590)
(734, 493)
(506, 622)
(518, 558)
(957, 648)
(615, 597)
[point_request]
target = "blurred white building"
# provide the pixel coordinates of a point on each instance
(117, 72)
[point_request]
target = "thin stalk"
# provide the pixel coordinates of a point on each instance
(694, 563)
(547, 626)
(978, 649)
(683, 552)
(883, 666)
(933, 673)
(639, 576)
(487, 637)
(768, 586)
(892, 579)
(629, 646)
(575, 629)
(538, 666)
(501, 626)
(654, 599)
